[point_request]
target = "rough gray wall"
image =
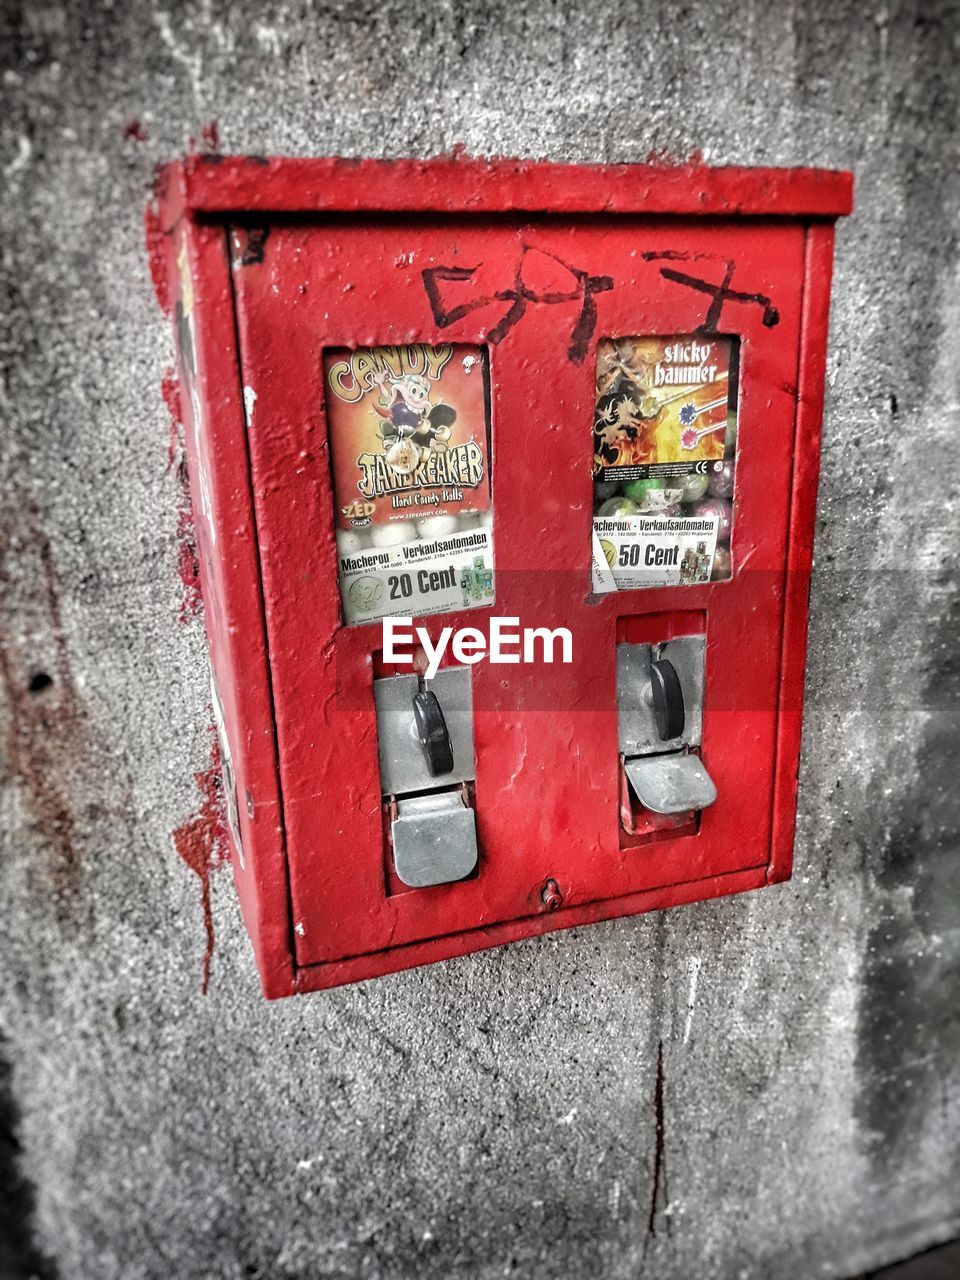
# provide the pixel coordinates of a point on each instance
(495, 1115)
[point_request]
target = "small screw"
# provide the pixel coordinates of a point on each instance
(550, 895)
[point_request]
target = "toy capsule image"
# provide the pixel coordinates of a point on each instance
(719, 508)
(693, 487)
(619, 507)
(721, 482)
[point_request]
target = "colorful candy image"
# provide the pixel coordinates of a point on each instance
(660, 401)
(408, 429)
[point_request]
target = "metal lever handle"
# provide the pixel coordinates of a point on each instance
(433, 733)
(668, 708)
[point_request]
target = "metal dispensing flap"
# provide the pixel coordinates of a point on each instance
(434, 839)
(670, 783)
(403, 765)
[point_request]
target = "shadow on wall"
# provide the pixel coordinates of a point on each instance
(19, 1256)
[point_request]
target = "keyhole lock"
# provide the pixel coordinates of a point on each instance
(433, 733)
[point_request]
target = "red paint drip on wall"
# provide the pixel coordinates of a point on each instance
(662, 156)
(210, 137)
(202, 843)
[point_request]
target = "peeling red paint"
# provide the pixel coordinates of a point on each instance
(202, 844)
(188, 567)
(156, 255)
(170, 389)
(188, 563)
(133, 131)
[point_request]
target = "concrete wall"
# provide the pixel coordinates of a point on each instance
(496, 1115)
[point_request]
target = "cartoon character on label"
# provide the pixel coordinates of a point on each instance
(411, 426)
(623, 428)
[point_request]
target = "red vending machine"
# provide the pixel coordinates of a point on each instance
(504, 479)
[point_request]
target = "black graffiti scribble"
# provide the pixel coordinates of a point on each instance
(520, 296)
(718, 293)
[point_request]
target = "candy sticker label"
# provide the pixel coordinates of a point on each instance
(418, 578)
(656, 551)
(664, 454)
(409, 443)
